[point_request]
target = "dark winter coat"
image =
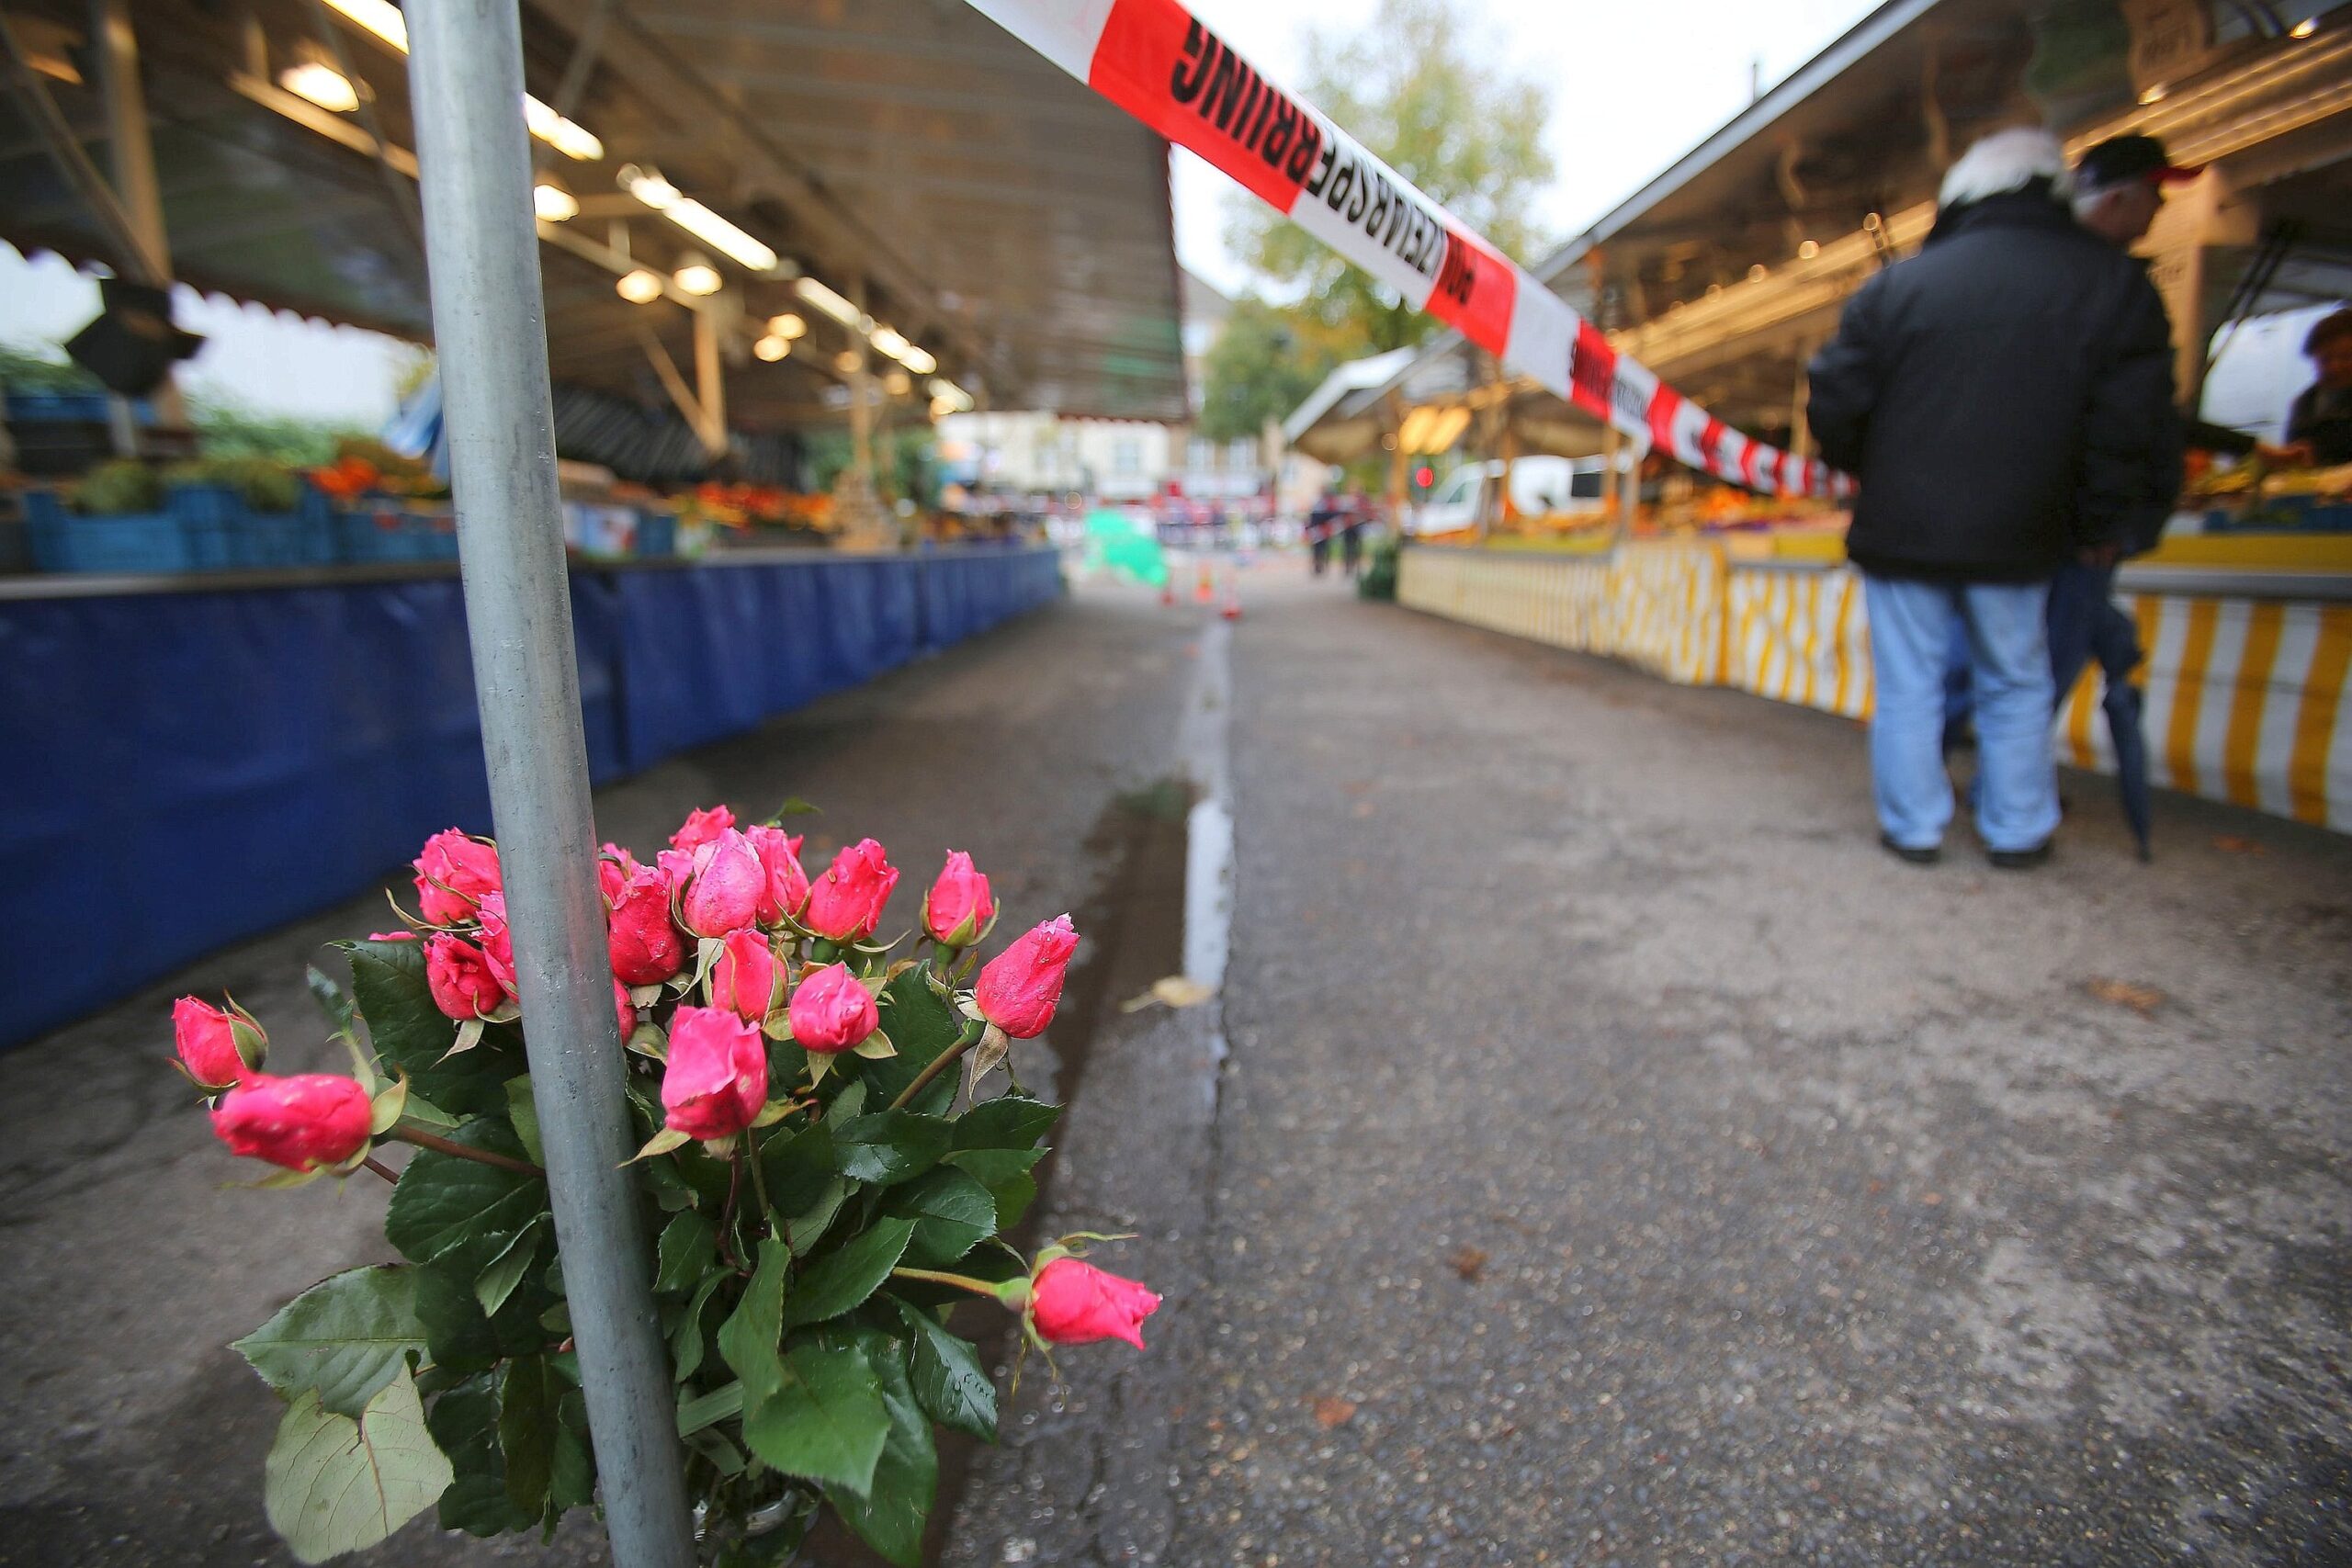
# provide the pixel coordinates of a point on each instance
(2004, 397)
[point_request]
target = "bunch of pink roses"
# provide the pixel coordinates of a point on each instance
(822, 1202)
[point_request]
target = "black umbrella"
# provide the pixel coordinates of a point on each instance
(2117, 642)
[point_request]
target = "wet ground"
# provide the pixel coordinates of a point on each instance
(1619, 1160)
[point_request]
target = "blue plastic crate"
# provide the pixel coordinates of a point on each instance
(657, 533)
(377, 532)
(70, 408)
(63, 541)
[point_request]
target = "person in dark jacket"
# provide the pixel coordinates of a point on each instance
(2005, 398)
(2319, 427)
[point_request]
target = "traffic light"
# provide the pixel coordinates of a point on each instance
(1424, 477)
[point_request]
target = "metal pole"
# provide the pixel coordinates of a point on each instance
(466, 79)
(133, 154)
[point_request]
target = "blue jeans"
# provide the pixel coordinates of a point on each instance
(1912, 626)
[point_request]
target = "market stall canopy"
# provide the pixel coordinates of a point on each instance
(1723, 272)
(1007, 227)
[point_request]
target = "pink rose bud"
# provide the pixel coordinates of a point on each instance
(1020, 987)
(959, 906)
(217, 1047)
(391, 936)
(845, 905)
(833, 1010)
(744, 979)
(301, 1122)
(644, 941)
(615, 866)
(701, 828)
(459, 976)
(678, 866)
(724, 893)
(785, 891)
(1073, 1303)
(717, 1079)
(452, 875)
(624, 1012)
(497, 941)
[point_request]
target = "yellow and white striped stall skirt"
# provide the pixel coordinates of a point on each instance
(2245, 697)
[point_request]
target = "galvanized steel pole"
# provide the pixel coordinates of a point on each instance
(466, 81)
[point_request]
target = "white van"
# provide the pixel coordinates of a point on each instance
(1537, 485)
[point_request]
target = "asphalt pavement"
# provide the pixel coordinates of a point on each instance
(1601, 1151)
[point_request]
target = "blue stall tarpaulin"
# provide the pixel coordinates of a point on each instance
(191, 767)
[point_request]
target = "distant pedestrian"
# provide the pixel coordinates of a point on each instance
(2005, 398)
(1322, 520)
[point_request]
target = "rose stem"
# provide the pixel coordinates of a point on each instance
(940, 1063)
(380, 1168)
(408, 1134)
(977, 1287)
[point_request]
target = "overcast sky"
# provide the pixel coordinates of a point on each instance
(1632, 88)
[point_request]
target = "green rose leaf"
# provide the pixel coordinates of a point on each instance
(497, 1281)
(946, 1375)
(1008, 1122)
(752, 1337)
(445, 1206)
(572, 1483)
(710, 1409)
(687, 1342)
(890, 1146)
(527, 1425)
(808, 1227)
(333, 1484)
(523, 1112)
(459, 1337)
(920, 1023)
(953, 1213)
(689, 1250)
(464, 1424)
(411, 1033)
(1013, 1195)
(797, 1167)
(825, 1420)
(345, 1337)
(992, 1167)
(889, 1513)
(842, 1279)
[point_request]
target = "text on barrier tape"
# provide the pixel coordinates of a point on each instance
(1163, 65)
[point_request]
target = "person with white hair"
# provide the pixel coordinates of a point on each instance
(2005, 398)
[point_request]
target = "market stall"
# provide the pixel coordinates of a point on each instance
(1729, 270)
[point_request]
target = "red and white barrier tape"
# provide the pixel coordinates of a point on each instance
(1161, 64)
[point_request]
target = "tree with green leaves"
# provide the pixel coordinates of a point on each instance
(1262, 365)
(1410, 87)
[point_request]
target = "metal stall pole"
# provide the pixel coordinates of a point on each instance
(466, 79)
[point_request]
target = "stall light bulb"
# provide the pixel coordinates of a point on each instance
(2304, 28)
(322, 84)
(697, 276)
(570, 140)
(772, 348)
(648, 187)
(919, 362)
(897, 383)
(384, 21)
(1759, 273)
(825, 299)
(1809, 250)
(786, 326)
(2155, 94)
(890, 342)
(847, 361)
(553, 203)
(639, 287)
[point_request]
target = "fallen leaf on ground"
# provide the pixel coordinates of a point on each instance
(1331, 1411)
(2238, 844)
(2141, 1000)
(1468, 1261)
(1170, 990)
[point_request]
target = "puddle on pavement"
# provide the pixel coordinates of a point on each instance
(1133, 927)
